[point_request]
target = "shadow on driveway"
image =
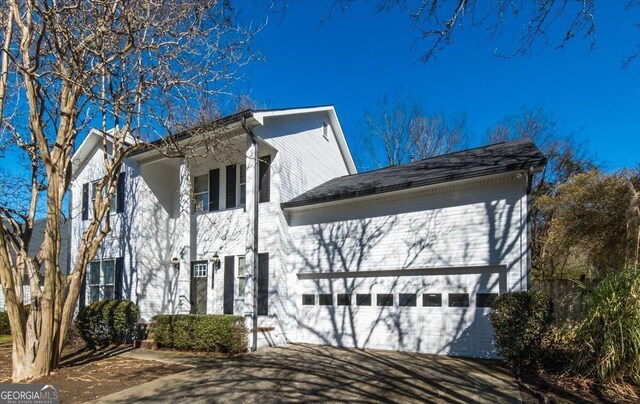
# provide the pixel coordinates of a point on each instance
(295, 373)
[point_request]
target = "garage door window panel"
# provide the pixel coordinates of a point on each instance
(432, 300)
(308, 300)
(485, 299)
(384, 299)
(407, 300)
(363, 299)
(325, 300)
(344, 299)
(458, 300)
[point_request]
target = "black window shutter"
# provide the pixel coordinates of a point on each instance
(265, 179)
(231, 186)
(120, 193)
(214, 189)
(263, 284)
(83, 291)
(229, 275)
(119, 278)
(85, 201)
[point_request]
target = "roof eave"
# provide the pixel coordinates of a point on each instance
(536, 166)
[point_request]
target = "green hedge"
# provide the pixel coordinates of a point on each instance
(214, 333)
(520, 321)
(5, 329)
(107, 322)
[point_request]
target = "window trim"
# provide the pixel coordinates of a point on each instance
(101, 285)
(242, 280)
(241, 186)
(205, 206)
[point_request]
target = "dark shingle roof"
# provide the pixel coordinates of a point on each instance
(481, 161)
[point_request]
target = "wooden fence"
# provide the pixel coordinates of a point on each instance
(565, 295)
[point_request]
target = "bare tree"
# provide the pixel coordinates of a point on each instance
(566, 158)
(539, 23)
(400, 131)
(136, 67)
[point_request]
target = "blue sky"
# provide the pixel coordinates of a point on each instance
(359, 56)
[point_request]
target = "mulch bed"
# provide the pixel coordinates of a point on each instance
(560, 388)
(85, 374)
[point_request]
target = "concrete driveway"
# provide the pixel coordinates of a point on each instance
(302, 373)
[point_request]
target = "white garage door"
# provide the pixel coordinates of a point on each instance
(436, 312)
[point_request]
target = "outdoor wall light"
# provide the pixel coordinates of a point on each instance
(215, 261)
(175, 263)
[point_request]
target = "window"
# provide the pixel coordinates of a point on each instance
(385, 299)
(363, 300)
(458, 300)
(308, 300)
(200, 270)
(242, 184)
(242, 280)
(432, 300)
(325, 300)
(407, 300)
(485, 299)
(344, 299)
(90, 193)
(102, 280)
(201, 193)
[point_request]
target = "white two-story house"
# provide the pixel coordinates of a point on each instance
(407, 257)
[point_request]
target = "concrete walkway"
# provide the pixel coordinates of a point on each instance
(303, 373)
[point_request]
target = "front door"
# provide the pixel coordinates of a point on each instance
(199, 276)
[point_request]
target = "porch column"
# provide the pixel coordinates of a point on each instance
(251, 261)
(183, 242)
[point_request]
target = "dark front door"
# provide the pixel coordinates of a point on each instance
(199, 277)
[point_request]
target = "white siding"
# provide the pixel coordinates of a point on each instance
(469, 238)
(308, 158)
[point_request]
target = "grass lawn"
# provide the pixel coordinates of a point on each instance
(85, 375)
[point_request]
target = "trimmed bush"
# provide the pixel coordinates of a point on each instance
(5, 329)
(609, 334)
(107, 322)
(195, 332)
(520, 321)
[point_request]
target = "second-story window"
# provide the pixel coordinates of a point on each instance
(94, 193)
(242, 184)
(201, 193)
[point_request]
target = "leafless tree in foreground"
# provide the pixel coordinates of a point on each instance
(537, 23)
(566, 158)
(400, 131)
(67, 65)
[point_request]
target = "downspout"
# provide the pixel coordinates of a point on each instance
(256, 201)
